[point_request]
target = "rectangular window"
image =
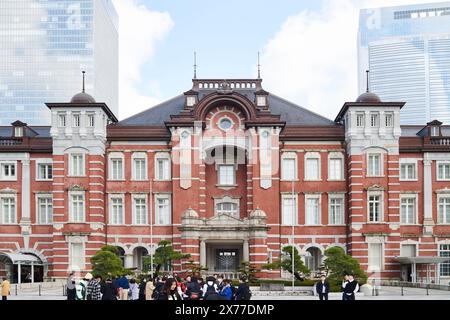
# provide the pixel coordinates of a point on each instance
(18, 132)
(375, 256)
(336, 211)
(261, 101)
(374, 167)
(312, 169)
(77, 208)
(8, 171)
(163, 169)
(444, 251)
(140, 210)
(389, 120)
(229, 208)
(312, 211)
(8, 207)
(408, 250)
(45, 171)
(62, 120)
(139, 169)
(435, 131)
(77, 165)
(76, 256)
(374, 120)
(335, 169)
(408, 171)
(76, 120)
(117, 214)
(163, 216)
(375, 212)
(408, 210)
(288, 169)
(226, 175)
(289, 211)
(443, 171)
(444, 210)
(360, 120)
(91, 120)
(116, 168)
(45, 210)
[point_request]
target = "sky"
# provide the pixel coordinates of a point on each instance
(308, 48)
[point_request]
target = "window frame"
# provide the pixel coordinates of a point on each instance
(408, 162)
(362, 116)
(43, 162)
(111, 198)
(318, 198)
(369, 172)
(139, 156)
(9, 177)
(336, 156)
(163, 156)
(163, 196)
(112, 158)
(443, 163)
(444, 221)
(382, 257)
(377, 119)
(379, 194)
(12, 197)
(289, 156)
(313, 156)
(415, 213)
(444, 264)
(295, 209)
(388, 115)
(135, 197)
(219, 180)
(72, 172)
(62, 120)
(82, 258)
(76, 120)
(39, 219)
(73, 194)
(340, 197)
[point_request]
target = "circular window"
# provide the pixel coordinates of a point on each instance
(225, 124)
(185, 134)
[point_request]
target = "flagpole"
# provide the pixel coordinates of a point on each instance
(151, 228)
(293, 237)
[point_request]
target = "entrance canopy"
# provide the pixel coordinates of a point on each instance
(20, 258)
(422, 260)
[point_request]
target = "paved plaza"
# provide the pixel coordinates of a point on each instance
(386, 293)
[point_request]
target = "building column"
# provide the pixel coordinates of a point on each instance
(202, 253)
(128, 261)
(428, 222)
(19, 273)
(32, 272)
(246, 251)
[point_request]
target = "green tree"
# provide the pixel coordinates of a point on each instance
(164, 255)
(248, 271)
(107, 263)
(193, 267)
(338, 263)
(285, 263)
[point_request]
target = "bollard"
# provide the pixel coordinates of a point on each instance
(39, 290)
(16, 289)
(427, 291)
(402, 290)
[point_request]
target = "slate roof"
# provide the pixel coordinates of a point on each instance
(412, 130)
(291, 113)
(42, 131)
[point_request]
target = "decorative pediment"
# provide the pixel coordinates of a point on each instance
(76, 187)
(375, 187)
(443, 191)
(8, 191)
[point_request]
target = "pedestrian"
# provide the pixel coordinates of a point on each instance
(210, 287)
(94, 291)
(149, 288)
(71, 282)
(226, 290)
(351, 288)
(109, 290)
(220, 283)
(133, 292)
(142, 285)
(169, 291)
(81, 287)
(28, 277)
(344, 283)
(322, 288)
(5, 288)
(243, 291)
(123, 285)
(193, 289)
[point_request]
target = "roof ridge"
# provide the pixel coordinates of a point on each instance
(300, 107)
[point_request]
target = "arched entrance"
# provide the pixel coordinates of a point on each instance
(138, 257)
(121, 254)
(313, 259)
(22, 267)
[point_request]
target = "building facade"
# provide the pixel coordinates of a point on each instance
(228, 172)
(44, 46)
(406, 49)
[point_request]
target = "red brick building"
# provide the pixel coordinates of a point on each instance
(226, 171)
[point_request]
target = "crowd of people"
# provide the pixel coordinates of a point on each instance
(167, 287)
(349, 287)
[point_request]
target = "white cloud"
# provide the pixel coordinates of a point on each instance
(312, 59)
(140, 29)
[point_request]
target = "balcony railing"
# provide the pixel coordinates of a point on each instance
(10, 141)
(440, 141)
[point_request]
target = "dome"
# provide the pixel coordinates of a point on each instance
(82, 97)
(258, 213)
(368, 97)
(190, 213)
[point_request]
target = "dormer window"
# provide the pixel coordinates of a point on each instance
(190, 101)
(18, 132)
(261, 101)
(435, 131)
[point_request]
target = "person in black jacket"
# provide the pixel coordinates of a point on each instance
(169, 291)
(193, 290)
(323, 288)
(350, 288)
(243, 291)
(109, 290)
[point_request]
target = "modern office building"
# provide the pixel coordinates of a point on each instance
(227, 172)
(407, 50)
(44, 46)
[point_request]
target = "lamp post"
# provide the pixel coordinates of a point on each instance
(151, 228)
(293, 237)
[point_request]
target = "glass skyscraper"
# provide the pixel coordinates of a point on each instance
(407, 50)
(44, 46)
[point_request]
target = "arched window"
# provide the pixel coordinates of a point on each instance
(228, 208)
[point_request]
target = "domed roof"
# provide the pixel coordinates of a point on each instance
(190, 213)
(368, 97)
(82, 97)
(258, 213)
